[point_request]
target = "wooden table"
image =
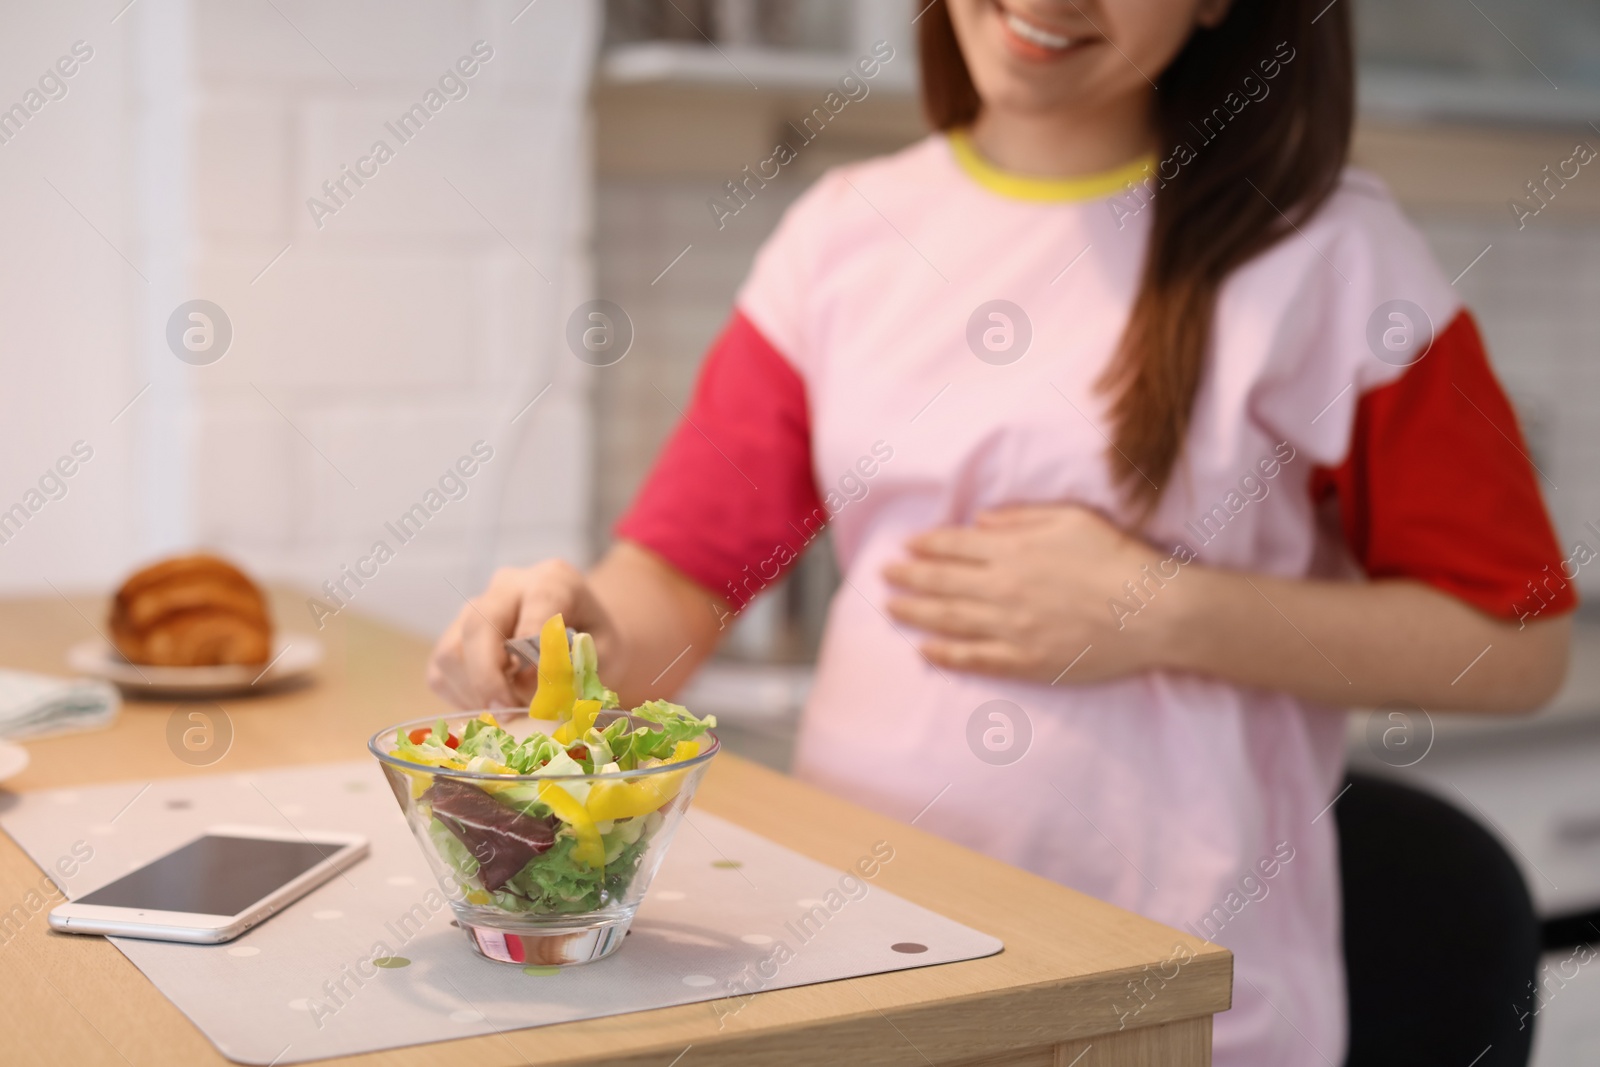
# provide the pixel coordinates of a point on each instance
(1053, 995)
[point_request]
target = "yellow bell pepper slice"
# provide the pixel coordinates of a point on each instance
(590, 849)
(625, 799)
(584, 712)
(421, 780)
(489, 785)
(553, 699)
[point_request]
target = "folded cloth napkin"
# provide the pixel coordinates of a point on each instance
(34, 705)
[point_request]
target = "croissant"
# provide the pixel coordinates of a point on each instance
(191, 611)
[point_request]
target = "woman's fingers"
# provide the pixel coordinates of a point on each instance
(557, 587)
(956, 543)
(1015, 515)
(469, 664)
(944, 615)
(1022, 593)
(526, 598)
(491, 687)
(445, 672)
(484, 658)
(458, 669)
(942, 578)
(987, 656)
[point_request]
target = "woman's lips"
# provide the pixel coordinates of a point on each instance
(1031, 41)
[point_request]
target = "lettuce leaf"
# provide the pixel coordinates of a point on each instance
(432, 750)
(554, 883)
(479, 738)
(676, 724)
(586, 672)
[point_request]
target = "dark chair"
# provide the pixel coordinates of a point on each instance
(1440, 939)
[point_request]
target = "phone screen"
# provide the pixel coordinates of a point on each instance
(213, 875)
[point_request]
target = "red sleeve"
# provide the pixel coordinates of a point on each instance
(731, 501)
(1438, 486)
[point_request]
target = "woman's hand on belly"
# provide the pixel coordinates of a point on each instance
(1027, 592)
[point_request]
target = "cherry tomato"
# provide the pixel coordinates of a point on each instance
(422, 733)
(579, 752)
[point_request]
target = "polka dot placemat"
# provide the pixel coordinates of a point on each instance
(371, 959)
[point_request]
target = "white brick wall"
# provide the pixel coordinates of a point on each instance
(641, 225)
(416, 320)
(69, 302)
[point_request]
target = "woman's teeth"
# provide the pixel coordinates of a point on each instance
(1033, 34)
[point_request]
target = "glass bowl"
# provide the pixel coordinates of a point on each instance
(513, 872)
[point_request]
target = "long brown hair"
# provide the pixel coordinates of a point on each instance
(1274, 162)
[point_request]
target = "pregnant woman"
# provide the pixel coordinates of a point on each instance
(1151, 437)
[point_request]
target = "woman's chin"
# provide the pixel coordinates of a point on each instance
(1018, 93)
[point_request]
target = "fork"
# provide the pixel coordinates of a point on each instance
(525, 650)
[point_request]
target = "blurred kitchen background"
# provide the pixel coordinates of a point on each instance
(375, 343)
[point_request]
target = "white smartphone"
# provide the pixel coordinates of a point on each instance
(215, 887)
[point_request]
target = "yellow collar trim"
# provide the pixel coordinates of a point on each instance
(1032, 187)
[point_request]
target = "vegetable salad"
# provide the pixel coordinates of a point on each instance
(548, 840)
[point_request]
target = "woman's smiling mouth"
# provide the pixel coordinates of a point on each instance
(1030, 40)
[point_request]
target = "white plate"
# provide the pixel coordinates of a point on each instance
(293, 656)
(13, 760)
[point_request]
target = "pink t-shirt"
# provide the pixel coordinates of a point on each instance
(868, 380)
